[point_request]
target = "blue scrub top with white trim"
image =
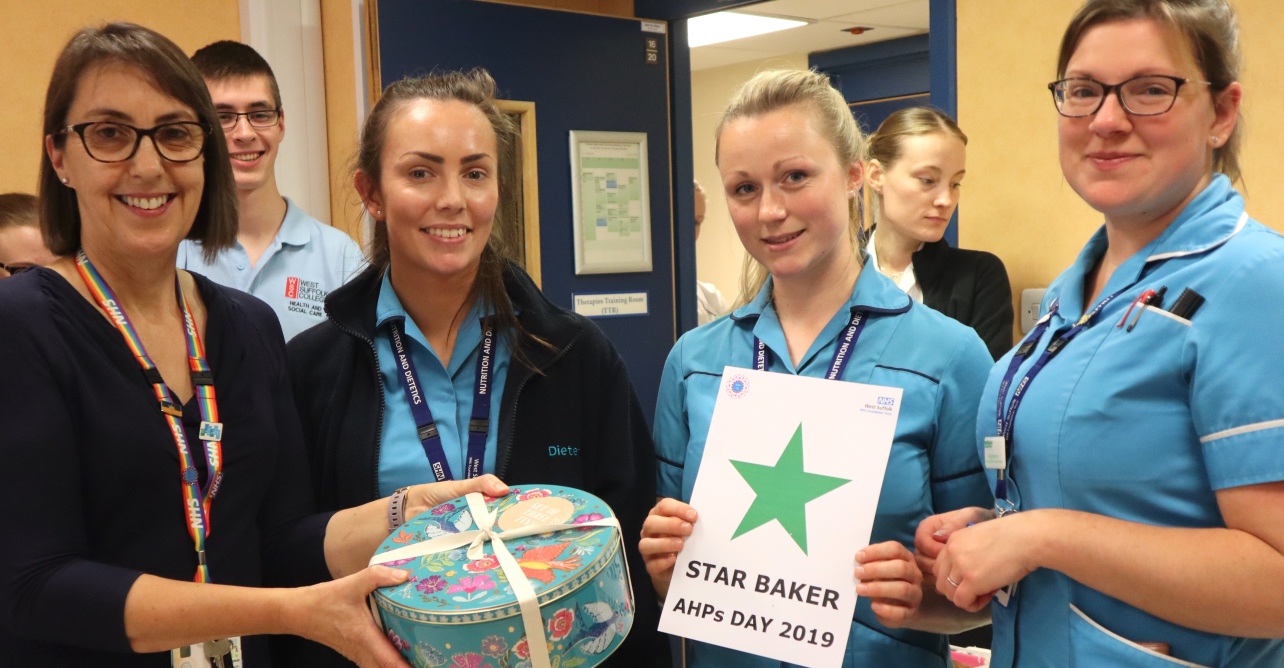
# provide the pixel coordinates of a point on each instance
(940, 364)
(448, 389)
(1146, 425)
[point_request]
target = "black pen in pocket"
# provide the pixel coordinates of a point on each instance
(1187, 303)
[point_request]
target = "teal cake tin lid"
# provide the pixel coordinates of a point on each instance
(448, 587)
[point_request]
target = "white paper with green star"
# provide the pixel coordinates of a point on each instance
(786, 491)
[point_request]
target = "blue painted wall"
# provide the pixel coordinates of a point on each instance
(583, 72)
(879, 70)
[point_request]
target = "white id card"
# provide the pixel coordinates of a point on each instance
(224, 653)
(996, 453)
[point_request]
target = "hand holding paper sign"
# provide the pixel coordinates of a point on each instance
(663, 535)
(785, 501)
(890, 578)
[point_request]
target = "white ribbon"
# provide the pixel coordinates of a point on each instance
(475, 538)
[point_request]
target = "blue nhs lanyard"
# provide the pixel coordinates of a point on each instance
(1005, 419)
(478, 424)
(841, 355)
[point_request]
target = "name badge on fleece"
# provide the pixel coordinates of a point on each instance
(224, 653)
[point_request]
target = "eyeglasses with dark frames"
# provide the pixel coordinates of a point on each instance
(259, 118)
(16, 268)
(1149, 95)
(107, 141)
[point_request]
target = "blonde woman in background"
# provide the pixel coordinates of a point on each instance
(709, 299)
(917, 161)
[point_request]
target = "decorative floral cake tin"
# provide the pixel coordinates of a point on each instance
(462, 607)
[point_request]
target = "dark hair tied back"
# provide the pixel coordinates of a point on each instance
(477, 88)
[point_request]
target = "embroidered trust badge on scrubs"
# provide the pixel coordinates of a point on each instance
(787, 491)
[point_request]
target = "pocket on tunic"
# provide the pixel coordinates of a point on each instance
(1092, 645)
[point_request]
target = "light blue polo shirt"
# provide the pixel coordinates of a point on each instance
(305, 261)
(1145, 425)
(940, 364)
(449, 390)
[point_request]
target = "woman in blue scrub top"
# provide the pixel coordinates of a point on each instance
(444, 360)
(1143, 430)
(790, 156)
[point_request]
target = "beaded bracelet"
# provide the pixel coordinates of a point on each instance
(397, 509)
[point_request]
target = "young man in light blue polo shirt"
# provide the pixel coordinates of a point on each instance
(282, 255)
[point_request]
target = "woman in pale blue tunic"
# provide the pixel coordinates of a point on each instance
(790, 155)
(1142, 504)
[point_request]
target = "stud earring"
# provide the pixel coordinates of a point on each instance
(379, 213)
(1214, 140)
(66, 181)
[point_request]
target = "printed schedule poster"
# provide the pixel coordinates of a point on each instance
(614, 229)
(786, 495)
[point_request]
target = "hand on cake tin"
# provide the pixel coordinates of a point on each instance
(425, 497)
(336, 614)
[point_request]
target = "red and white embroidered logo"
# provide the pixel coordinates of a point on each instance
(292, 287)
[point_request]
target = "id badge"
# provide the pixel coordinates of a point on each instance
(995, 453)
(1005, 594)
(224, 653)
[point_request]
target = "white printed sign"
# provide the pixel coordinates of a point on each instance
(786, 493)
(608, 304)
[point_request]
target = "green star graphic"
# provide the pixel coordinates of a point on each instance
(783, 492)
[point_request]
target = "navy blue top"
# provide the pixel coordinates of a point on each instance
(89, 479)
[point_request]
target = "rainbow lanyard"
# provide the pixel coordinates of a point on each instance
(196, 502)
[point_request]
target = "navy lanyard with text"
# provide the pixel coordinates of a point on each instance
(841, 355)
(1005, 419)
(478, 423)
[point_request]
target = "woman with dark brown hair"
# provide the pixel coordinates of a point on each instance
(141, 510)
(443, 360)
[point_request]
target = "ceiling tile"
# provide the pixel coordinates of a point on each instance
(818, 9)
(913, 14)
(889, 18)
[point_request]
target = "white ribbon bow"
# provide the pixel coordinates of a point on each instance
(475, 538)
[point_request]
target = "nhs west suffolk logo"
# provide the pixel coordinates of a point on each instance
(306, 297)
(881, 406)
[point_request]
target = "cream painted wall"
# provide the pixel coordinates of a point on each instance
(32, 34)
(1016, 204)
(718, 252)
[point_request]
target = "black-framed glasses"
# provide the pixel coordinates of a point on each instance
(259, 118)
(105, 141)
(1148, 95)
(15, 268)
